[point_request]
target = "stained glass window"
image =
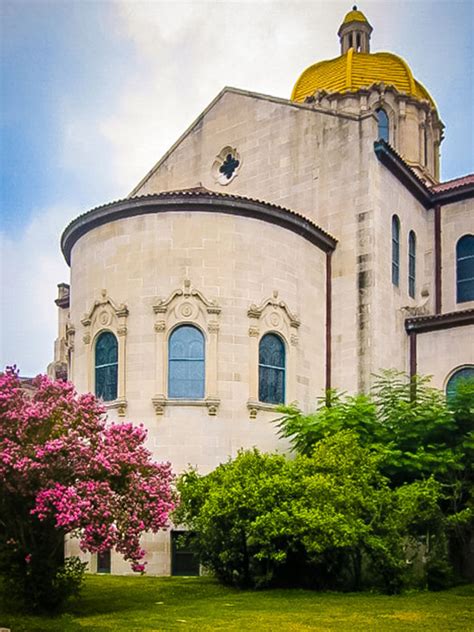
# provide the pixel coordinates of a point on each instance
(465, 269)
(412, 264)
(462, 374)
(271, 370)
(186, 363)
(106, 366)
(383, 125)
(229, 165)
(395, 250)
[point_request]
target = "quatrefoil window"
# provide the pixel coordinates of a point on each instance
(226, 165)
(229, 166)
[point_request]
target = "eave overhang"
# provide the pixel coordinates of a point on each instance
(450, 320)
(198, 201)
(404, 173)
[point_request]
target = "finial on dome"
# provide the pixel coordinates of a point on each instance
(354, 32)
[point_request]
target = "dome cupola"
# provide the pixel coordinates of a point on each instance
(355, 32)
(361, 82)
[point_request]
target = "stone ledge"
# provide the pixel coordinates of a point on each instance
(254, 406)
(211, 403)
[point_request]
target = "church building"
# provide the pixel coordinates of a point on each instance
(279, 248)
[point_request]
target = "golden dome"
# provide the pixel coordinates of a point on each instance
(353, 71)
(354, 16)
(357, 67)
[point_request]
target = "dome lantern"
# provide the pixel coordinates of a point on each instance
(355, 32)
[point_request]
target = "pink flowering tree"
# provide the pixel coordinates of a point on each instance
(64, 470)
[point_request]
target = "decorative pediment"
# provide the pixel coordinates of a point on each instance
(186, 302)
(103, 309)
(271, 308)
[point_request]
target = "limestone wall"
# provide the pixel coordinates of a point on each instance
(441, 352)
(456, 220)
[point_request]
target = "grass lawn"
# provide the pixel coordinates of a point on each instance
(199, 603)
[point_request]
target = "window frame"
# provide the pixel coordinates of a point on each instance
(186, 397)
(101, 334)
(453, 374)
(470, 256)
(383, 125)
(281, 370)
(395, 233)
(412, 264)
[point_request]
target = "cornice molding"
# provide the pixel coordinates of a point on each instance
(197, 201)
(404, 173)
(450, 320)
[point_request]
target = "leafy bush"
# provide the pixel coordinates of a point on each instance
(418, 435)
(328, 520)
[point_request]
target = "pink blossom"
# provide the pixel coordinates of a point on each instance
(61, 459)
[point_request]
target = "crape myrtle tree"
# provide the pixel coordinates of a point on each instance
(66, 471)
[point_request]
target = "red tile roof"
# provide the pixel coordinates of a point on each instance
(453, 184)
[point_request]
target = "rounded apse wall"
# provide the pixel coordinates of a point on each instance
(235, 278)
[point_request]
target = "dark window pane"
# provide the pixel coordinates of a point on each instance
(465, 269)
(395, 250)
(186, 371)
(465, 291)
(465, 246)
(411, 264)
(106, 366)
(383, 125)
(271, 379)
(183, 560)
(103, 562)
(462, 374)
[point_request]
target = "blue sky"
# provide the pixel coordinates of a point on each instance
(93, 93)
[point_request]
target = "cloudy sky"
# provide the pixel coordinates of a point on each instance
(94, 92)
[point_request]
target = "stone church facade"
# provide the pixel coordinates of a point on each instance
(280, 247)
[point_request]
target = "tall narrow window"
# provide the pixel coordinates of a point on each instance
(106, 366)
(395, 250)
(465, 373)
(465, 269)
(186, 363)
(271, 370)
(383, 132)
(425, 146)
(412, 264)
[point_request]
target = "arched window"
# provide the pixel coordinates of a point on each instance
(395, 250)
(465, 373)
(271, 370)
(411, 264)
(186, 363)
(465, 269)
(382, 118)
(106, 366)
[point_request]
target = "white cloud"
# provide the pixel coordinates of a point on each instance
(31, 267)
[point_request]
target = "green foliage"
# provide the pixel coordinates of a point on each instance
(421, 440)
(327, 520)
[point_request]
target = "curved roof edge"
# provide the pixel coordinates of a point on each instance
(195, 200)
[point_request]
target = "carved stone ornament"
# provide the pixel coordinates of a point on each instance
(213, 327)
(186, 308)
(159, 402)
(254, 332)
(119, 404)
(256, 311)
(102, 312)
(86, 339)
(160, 325)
